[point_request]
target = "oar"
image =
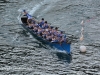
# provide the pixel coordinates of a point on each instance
(81, 38)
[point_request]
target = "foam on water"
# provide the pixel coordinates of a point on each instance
(15, 38)
(39, 5)
(36, 7)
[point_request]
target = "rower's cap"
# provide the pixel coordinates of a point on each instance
(42, 18)
(24, 10)
(45, 21)
(61, 31)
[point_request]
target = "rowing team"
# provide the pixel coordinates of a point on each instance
(44, 30)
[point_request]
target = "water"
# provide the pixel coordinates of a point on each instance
(22, 54)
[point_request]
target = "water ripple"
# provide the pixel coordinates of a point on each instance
(21, 53)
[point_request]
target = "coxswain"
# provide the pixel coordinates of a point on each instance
(26, 14)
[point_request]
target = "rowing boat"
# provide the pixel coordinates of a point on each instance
(64, 46)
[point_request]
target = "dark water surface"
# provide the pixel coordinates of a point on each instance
(22, 54)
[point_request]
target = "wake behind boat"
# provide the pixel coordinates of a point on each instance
(46, 33)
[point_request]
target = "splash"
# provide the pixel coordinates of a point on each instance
(35, 8)
(38, 6)
(15, 38)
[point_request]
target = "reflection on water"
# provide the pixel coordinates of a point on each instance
(64, 57)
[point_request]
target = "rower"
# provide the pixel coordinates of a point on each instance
(45, 25)
(30, 24)
(54, 39)
(26, 14)
(39, 32)
(41, 22)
